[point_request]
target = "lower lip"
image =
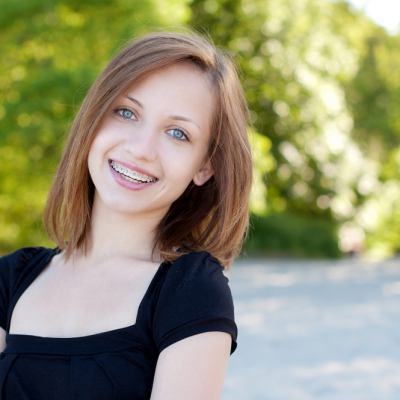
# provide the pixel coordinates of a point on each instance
(129, 185)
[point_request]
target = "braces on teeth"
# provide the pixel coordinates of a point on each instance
(134, 176)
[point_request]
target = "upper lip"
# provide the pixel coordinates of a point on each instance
(134, 168)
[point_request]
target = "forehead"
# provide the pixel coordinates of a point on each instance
(182, 87)
(175, 74)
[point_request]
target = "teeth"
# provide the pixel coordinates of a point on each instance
(131, 174)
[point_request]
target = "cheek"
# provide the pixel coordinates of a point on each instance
(181, 167)
(103, 141)
(97, 151)
(93, 154)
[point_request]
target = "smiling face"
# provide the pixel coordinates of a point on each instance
(160, 126)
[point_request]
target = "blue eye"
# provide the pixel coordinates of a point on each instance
(180, 134)
(125, 114)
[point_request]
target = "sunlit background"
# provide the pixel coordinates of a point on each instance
(323, 85)
(385, 13)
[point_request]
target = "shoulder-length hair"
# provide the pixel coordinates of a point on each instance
(213, 217)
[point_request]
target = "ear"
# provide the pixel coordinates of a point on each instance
(203, 174)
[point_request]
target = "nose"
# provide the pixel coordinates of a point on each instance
(142, 144)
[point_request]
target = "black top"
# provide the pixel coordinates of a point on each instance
(186, 297)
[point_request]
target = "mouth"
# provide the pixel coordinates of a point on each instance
(129, 174)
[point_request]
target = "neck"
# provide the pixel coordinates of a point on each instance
(115, 234)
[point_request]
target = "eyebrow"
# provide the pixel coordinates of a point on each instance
(135, 101)
(175, 117)
(180, 118)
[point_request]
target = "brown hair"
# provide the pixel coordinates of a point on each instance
(213, 217)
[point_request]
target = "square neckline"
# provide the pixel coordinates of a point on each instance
(45, 263)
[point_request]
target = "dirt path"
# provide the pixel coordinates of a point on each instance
(315, 330)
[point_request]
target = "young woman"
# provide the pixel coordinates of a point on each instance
(148, 209)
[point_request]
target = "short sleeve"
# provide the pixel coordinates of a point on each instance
(194, 298)
(10, 266)
(5, 262)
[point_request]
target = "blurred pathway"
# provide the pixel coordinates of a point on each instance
(326, 330)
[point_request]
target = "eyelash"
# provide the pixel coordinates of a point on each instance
(117, 111)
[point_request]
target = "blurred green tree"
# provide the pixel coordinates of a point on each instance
(299, 60)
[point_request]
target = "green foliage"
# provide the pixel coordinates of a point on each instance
(383, 237)
(287, 234)
(320, 93)
(374, 95)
